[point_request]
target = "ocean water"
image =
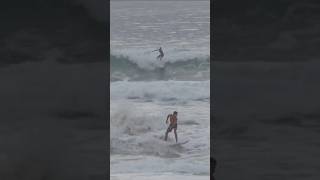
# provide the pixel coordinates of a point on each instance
(182, 29)
(145, 90)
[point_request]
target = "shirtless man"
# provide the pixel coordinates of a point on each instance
(161, 53)
(173, 125)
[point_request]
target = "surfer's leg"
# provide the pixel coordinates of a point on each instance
(175, 134)
(166, 136)
(168, 130)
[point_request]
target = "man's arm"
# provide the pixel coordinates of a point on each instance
(168, 118)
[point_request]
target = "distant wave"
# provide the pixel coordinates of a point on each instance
(124, 68)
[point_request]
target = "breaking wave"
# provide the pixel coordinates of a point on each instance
(124, 68)
(134, 134)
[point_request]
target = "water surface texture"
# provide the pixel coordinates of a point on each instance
(145, 90)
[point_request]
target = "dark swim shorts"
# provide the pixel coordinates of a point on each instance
(172, 126)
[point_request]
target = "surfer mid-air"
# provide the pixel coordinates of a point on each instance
(173, 125)
(161, 53)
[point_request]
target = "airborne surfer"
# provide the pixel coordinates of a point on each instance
(161, 53)
(173, 125)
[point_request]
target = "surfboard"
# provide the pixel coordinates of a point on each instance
(183, 142)
(179, 143)
(173, 143)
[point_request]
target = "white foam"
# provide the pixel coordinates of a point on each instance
(161, 90)
(137, 131)
(146, 59)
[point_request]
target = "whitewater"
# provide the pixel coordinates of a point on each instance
(144, 90)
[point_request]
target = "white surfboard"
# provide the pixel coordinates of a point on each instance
(179, 143)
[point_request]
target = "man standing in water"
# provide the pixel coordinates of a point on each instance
(161, 53)
(173, 125)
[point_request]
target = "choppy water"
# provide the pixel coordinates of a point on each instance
(145, 90)
(182, 29)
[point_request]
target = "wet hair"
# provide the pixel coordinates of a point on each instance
(175, 112)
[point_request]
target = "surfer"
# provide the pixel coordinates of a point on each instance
(173, 125)
(161, 53)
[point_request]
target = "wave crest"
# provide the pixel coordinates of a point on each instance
(123, 68)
